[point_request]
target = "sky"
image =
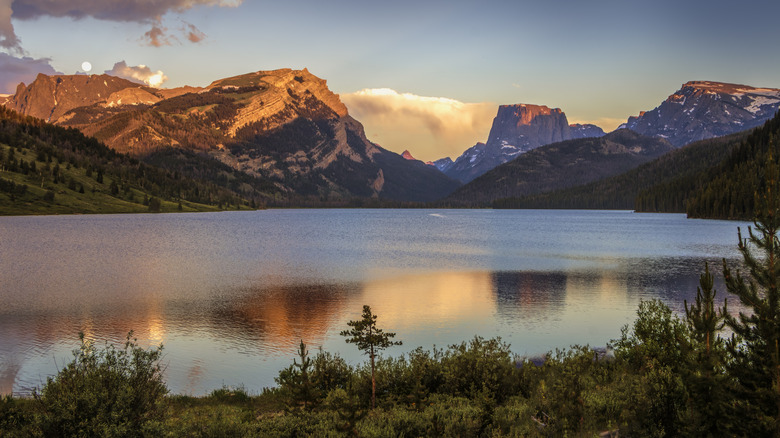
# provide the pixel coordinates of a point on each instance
(426, 76)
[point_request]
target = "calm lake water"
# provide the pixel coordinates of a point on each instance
(230, 295)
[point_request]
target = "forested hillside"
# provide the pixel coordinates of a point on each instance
(714, 178)
(45, 169)
(729, 190)
(620, 192)
(560, 165)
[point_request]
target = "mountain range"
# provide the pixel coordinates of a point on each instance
(282, 125)
(281, 137)
(698, 110)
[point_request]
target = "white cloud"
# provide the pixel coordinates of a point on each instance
(429, 127)
(14, 70)
(139, 73)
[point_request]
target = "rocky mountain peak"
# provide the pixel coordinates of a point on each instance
(516, 129)
(408, 155)
(706, 109)
(50, 97)
(276, 91)
(527, 126)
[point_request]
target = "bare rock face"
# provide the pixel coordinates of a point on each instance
(527, 127)
(285, 94)
(407, 155)
(50, 97)
(516, 129)
(131, 96)
(703, 109)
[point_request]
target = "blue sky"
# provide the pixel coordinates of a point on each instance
(599, 61)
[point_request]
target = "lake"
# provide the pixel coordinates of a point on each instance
(230, 295)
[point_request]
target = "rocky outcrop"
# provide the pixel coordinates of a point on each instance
(50, 97)
(131, 96)
(703, 109)
(516, 129)
(279, 97)
(407, 155)
(525, 127)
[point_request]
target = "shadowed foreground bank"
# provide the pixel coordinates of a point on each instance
(655, 384)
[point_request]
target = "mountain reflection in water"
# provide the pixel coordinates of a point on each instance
(245, 336)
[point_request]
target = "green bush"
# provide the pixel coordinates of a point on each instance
(15, 420)
(105, 392)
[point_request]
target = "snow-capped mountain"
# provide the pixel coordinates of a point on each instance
(703, 109)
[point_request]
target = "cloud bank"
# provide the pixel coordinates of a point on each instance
(139, 73)
(14, 70)
(139, 11)
(429, 127)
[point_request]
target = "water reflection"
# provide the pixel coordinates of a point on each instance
(528, 298)
(243, 336)
(231, 295)
(270, 320)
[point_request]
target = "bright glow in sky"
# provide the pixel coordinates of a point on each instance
(600, 62)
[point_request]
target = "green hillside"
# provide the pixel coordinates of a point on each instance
(45, 169)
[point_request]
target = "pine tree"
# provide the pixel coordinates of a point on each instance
(707, 382)
(370, 339)
(756, 342)
(297, 380)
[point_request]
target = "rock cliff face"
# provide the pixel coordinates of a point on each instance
(283, 125)
(526, 127)
(50, 97)
(702, 109)
(279, 97)
(516, 129)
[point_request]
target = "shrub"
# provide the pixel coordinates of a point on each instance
(105, 392)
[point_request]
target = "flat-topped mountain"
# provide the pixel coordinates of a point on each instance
(703, 109)
(282, 125)
(516, 129)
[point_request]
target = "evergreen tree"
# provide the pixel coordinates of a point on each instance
(756, 342)
(297, 380)
(370, 339)
(707, 380)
